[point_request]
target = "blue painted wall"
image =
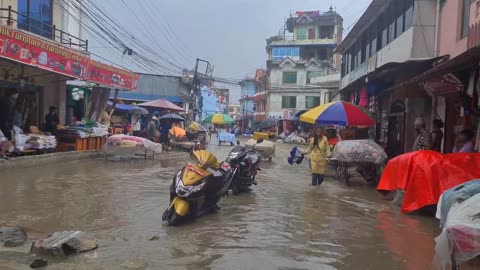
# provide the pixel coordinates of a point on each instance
(209, 102)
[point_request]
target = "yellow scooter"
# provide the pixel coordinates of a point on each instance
(197, 188)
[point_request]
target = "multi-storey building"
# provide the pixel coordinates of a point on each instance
(305, 51)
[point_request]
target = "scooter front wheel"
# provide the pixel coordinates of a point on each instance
(171, 217)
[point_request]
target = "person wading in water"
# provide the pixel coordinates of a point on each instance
(320, 150)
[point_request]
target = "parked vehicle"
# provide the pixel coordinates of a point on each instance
(197, 188)
(246, 163)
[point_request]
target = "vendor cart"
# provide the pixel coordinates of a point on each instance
(365, 156)
(265, 148)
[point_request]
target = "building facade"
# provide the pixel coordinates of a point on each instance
(152, 86)
(296, 58)
(247, 107)
(392, 42)
(45, 21)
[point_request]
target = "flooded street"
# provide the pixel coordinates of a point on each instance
(283, 224)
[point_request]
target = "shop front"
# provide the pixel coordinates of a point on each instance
(393, 105)
(36, 102)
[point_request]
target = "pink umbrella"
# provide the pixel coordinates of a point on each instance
(162, 104)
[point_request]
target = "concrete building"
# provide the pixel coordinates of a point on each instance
(392, 42)
(46, 21)
(223, 99)
(296, 58)
(260, 96)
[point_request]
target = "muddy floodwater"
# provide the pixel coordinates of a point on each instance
(283, 224)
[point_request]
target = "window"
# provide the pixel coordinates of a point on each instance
(326, 31)
(289, 102)
(289, 77)
(400, 15)
(36, 16)
(301, 33)
(312, 102)
(309, 76)
(408, 14)
(465, 18)
(280, 53)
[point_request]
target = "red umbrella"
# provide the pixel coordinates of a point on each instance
(162, 104)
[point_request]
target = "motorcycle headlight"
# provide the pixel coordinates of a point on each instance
(185, 191)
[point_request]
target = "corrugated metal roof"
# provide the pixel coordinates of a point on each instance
(144, 97)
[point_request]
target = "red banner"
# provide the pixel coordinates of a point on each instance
(112, 76)
(21, 47)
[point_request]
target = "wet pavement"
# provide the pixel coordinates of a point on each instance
(283, 224)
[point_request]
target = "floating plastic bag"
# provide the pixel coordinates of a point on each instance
(123, 145)
(359, 151)
(460, 237)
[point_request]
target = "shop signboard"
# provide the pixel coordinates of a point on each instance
(111, 76)
(38, 52)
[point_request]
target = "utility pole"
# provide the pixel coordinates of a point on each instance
(198, 99)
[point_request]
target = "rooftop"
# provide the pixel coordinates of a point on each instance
(313, 17)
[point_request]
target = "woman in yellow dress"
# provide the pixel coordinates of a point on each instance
(319, 150)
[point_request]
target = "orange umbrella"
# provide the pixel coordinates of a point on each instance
(161, 104)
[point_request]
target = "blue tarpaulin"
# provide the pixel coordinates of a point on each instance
(123, 107)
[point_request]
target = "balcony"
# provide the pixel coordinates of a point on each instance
(292, 40)
(23, 22)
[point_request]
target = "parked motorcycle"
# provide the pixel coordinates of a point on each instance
(246, 163)
(197, 188)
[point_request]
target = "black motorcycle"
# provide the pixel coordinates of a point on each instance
(246, 164)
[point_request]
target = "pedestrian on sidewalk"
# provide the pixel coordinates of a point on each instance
(319, 150)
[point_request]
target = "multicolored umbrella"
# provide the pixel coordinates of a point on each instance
(219, 119)
(338, 113)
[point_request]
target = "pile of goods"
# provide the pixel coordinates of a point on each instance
(37, 141)
(123, 145)
(459, 214)
(359, 151)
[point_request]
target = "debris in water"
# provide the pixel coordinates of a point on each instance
(63, 244)
(12, 236)
(156, 237)
(38, 263)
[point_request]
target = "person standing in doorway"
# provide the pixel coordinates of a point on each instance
(7, 112)
(51, 120)
(437, 135)
(424, 139)
(319, 150)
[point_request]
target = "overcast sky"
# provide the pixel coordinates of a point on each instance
(229, 33)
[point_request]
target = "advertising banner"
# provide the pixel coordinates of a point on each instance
(112, 76)
(21, 47)
(27, 49)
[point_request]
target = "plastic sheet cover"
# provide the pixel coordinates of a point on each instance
(359, 151)
(425, 175)
(460, 237)
(123, 145)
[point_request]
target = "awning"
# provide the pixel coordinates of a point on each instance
(466, 60)
(144, 97)
(123, 107)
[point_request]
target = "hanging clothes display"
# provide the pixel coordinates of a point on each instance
(363, 100)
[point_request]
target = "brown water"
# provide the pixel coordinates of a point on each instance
(283, 224)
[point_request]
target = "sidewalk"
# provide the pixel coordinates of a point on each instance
(53, 158)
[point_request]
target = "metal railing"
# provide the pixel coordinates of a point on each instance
(27, 23)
